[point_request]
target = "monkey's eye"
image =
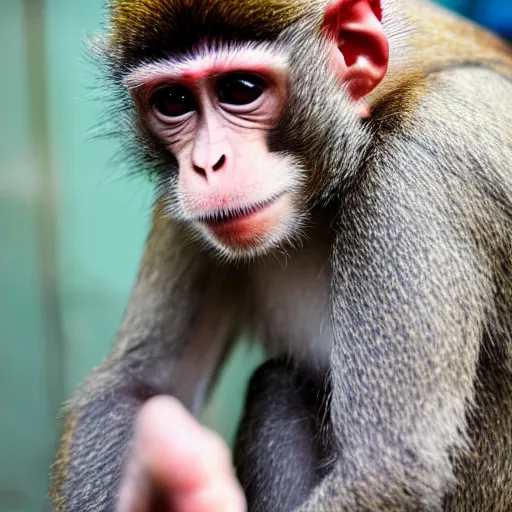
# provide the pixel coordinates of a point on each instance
(240, 88)
(173, 101)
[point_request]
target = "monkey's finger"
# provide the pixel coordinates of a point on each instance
(191, 464)
(137, 490)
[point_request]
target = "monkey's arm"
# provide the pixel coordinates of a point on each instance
(409, 289)
(171, 342)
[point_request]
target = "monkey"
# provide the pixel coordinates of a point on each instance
(333, 179)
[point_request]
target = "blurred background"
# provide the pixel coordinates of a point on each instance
(72, 227)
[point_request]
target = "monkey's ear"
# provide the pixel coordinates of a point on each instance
(363, 56)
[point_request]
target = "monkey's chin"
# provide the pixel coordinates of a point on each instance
(253, 234)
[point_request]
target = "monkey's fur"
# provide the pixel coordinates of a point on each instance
(406, 258)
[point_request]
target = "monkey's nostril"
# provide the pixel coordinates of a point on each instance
(200, 170)
(220, 163)
(203, 172)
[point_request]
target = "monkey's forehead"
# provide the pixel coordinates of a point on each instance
(145, 28)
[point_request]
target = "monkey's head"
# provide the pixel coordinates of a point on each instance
(248, 111)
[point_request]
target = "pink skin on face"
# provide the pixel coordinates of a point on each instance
(228, 180)
(226, 172)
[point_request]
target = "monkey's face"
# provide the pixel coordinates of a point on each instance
(247, 136)
(213, 112)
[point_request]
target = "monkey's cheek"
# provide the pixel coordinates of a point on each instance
(252, 230)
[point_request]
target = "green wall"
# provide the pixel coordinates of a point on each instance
(26, 419)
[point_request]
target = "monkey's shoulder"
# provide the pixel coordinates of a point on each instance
(470, 96)
(469, 105)
(455, 107)
(455, 136)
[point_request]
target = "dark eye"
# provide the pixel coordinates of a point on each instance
(173, 101)
(240, 89)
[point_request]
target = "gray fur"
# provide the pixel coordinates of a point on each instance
(395, 310)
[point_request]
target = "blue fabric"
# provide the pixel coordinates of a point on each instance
(495, 14)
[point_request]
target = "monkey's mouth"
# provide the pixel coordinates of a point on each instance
(227, 215)
(248, 225)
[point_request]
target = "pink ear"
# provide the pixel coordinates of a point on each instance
(363, 57)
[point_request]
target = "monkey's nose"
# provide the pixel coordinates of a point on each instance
(215, 167)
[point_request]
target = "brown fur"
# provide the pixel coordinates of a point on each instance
(438, 40)
(62, 463)
(175, 25)
(132, 19)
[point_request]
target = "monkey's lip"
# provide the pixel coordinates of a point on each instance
(228, 215)
(248, 224)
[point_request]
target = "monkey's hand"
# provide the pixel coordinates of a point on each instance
(178, 465)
